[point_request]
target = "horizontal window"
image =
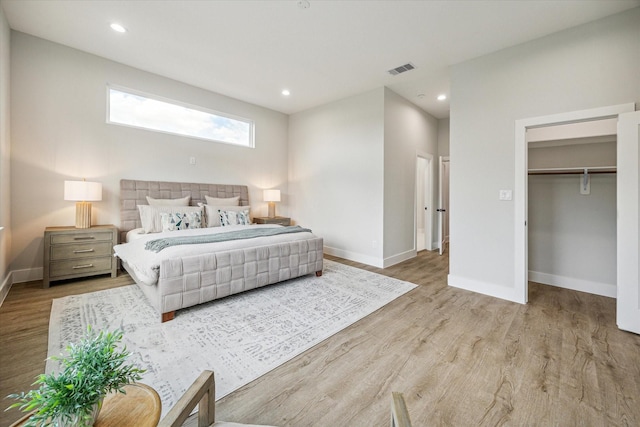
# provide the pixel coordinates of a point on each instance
(143, 111)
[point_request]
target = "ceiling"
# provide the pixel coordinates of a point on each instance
(328, 50)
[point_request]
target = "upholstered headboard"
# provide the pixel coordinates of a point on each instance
(134, 193)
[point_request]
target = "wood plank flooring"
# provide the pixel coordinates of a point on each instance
(460, 358)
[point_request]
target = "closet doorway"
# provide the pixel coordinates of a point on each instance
(572, 206)
(627, 248)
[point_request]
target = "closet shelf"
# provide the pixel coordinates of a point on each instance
(573, 171)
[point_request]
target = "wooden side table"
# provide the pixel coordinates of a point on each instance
(71, 252)
(275, 220)
(140, 407)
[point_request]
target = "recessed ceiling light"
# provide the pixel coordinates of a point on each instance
(286, 92)
(442, 97)
(118, 28)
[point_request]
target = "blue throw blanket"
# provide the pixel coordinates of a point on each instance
(159, 244)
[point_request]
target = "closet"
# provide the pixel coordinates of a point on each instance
(572, 206)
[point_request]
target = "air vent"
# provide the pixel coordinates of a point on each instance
(401, 69)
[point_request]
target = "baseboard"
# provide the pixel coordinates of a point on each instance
(484, 288)
(397, 259)
(597, 288)
(27, 275)
(354, 256)
(5, 287)
(18, 276)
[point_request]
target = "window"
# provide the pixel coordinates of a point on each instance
(142, 111)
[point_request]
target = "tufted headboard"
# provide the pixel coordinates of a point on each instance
(134, 193)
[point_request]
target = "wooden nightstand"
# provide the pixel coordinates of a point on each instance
(71, 252)
(277, 220)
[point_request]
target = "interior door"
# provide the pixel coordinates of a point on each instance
(628, 240)
(443, 210)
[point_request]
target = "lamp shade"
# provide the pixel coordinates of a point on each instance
(82, 191)
(271, 195)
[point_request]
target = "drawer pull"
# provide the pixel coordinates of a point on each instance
(75, 267)
(83, 251)
(84, 238)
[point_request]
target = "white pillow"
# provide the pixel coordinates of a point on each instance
(229, 201)
(150, 215)
(240, 217)
(213, 217)
(169, 202)
(180, 220)
(134, 234)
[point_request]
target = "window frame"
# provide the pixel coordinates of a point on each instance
(198, 108)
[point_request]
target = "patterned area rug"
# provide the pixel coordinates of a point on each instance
(240, 337)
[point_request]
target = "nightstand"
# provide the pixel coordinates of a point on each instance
(71, 252)
(277, 220)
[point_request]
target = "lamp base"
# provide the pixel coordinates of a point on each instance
(272, 210)
(83, 215)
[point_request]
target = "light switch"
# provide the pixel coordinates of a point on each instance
(192, 160)
(506, 195)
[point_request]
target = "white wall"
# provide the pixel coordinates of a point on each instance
(58, 132)
(336, 174)
(5, 178)
(589, 66)
(408, 131)
(353, 174)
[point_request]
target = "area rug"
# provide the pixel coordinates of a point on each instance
(240, 337)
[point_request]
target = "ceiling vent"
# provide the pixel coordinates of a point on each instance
(401, 69)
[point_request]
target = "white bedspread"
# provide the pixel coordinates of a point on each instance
(146, 264)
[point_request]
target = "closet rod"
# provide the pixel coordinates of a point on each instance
(572, 171)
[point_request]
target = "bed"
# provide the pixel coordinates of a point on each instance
(186, 275)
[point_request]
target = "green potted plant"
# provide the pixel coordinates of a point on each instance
(93, 367)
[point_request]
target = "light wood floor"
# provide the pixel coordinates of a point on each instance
(460, 358)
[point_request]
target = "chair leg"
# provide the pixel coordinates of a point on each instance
(399, 413)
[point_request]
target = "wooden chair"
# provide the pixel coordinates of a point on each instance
(202, 393)
(399, 413)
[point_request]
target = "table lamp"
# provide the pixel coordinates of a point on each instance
(272, 196)
(83, 192)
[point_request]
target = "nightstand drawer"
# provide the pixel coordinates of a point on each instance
(81, 237)
(84, 266)
(80, 250)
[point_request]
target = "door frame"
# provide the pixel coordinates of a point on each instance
(428, 199)
(520, 195)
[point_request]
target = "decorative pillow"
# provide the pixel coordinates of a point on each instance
(150, 215)
(213, 217)
(184, 201)
(229, 201)
(228, 217)
(180, 220)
